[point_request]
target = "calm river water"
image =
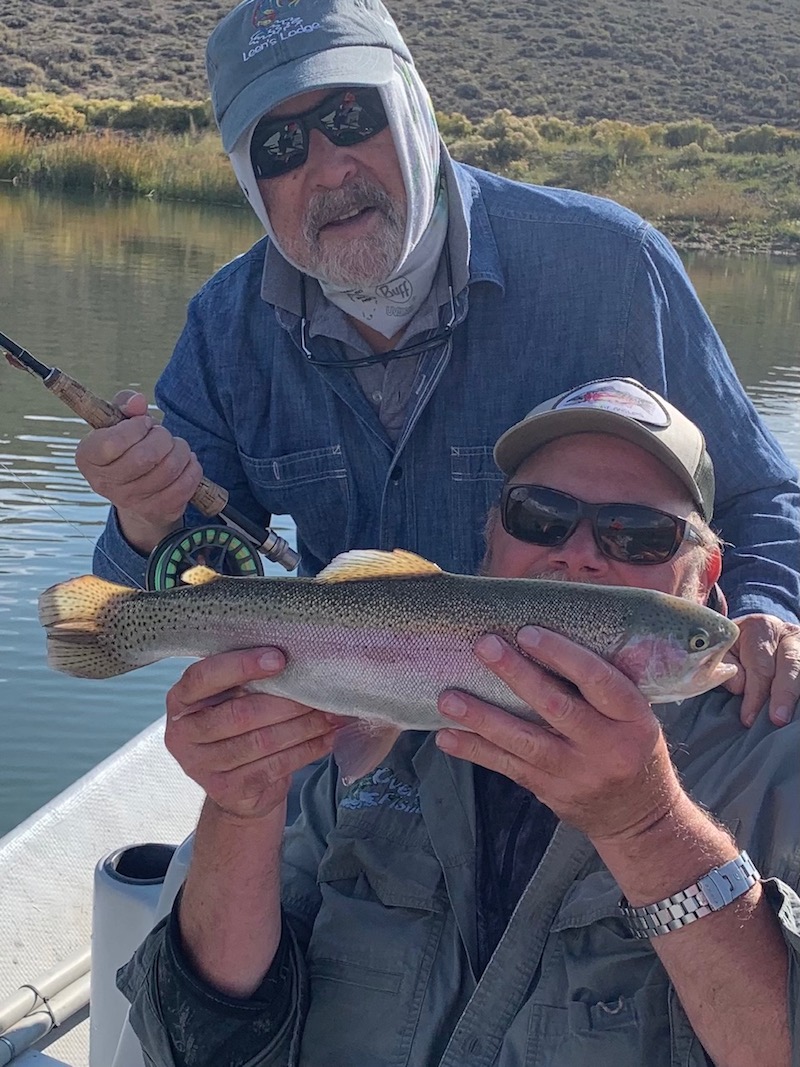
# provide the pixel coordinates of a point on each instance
(100, 290)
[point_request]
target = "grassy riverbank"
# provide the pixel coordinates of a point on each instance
(726, 192)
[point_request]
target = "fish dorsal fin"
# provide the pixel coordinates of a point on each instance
(199, 575)
(375, 563)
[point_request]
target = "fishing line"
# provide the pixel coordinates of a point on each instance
(134, 583)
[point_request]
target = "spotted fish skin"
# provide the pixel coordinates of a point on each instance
(379, 635)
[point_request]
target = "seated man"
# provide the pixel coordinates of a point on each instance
(508, 893)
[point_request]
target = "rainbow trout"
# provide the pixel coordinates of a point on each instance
(379, 635)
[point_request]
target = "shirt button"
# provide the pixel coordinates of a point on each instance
(397, 474)
(377, 397)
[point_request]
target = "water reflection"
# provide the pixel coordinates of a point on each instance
(100, 289)
(755, 304)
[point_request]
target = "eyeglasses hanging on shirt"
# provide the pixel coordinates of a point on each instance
(442, 336)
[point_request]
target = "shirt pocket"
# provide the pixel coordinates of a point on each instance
(475, 487)
(603, 996)
(382, 912)
(313, 487)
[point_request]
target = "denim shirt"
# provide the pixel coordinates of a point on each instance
(563, 288)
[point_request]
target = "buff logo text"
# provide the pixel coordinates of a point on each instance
(399, 291)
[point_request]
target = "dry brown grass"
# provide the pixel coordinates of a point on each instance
(712, 203)
(170, 167)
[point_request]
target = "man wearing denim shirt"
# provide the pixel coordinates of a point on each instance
(354, 367)
(461, 904)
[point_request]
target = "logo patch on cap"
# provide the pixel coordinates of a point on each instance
(272, 23)
(264, 13)
(620, 397)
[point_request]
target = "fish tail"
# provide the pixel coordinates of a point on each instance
(75, 615)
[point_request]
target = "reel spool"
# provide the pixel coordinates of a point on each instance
(217, 547)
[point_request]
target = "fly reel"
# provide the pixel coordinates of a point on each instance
(217, 547)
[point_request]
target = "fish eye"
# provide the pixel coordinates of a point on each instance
(699, 641)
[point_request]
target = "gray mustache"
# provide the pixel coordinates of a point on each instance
(356, 196)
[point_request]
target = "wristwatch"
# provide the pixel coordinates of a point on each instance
(713, 891)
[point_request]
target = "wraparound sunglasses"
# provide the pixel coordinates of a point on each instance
(346, 117)
(627, 533)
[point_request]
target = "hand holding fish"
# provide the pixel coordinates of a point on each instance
(603, 766)
(767, 654)
(242, 747)
(146, 473)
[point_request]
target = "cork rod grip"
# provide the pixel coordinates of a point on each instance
(210, 498)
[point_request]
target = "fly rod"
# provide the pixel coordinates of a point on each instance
(210, 499)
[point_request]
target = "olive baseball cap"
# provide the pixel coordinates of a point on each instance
(625, 408)
(266, 51)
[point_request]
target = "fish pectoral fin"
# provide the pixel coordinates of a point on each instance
(360, 746)
(375, 563)
(199, 575)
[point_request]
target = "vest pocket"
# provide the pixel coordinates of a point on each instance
(603, 996)
(374, 939)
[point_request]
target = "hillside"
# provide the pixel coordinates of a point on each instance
(734, 62)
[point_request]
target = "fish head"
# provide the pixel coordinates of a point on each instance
(675, 662)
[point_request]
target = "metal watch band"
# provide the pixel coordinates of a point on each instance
(713, 891)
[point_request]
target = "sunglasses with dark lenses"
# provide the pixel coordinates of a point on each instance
(627, 533)
(346, 117)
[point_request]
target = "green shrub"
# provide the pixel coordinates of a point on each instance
(150, 113)
(655, 131)
(680, 134)
(494, 144)
(756, 140)
(153, 112)
(588, 168)
(104, 113)
(36, 98)
(628, 142)
(453, 125)
(10, 103)
(692, 155)
(52, 120)
(475, 151)
(552, 129)
(509, 138)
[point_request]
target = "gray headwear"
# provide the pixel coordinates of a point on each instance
(266, 51)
